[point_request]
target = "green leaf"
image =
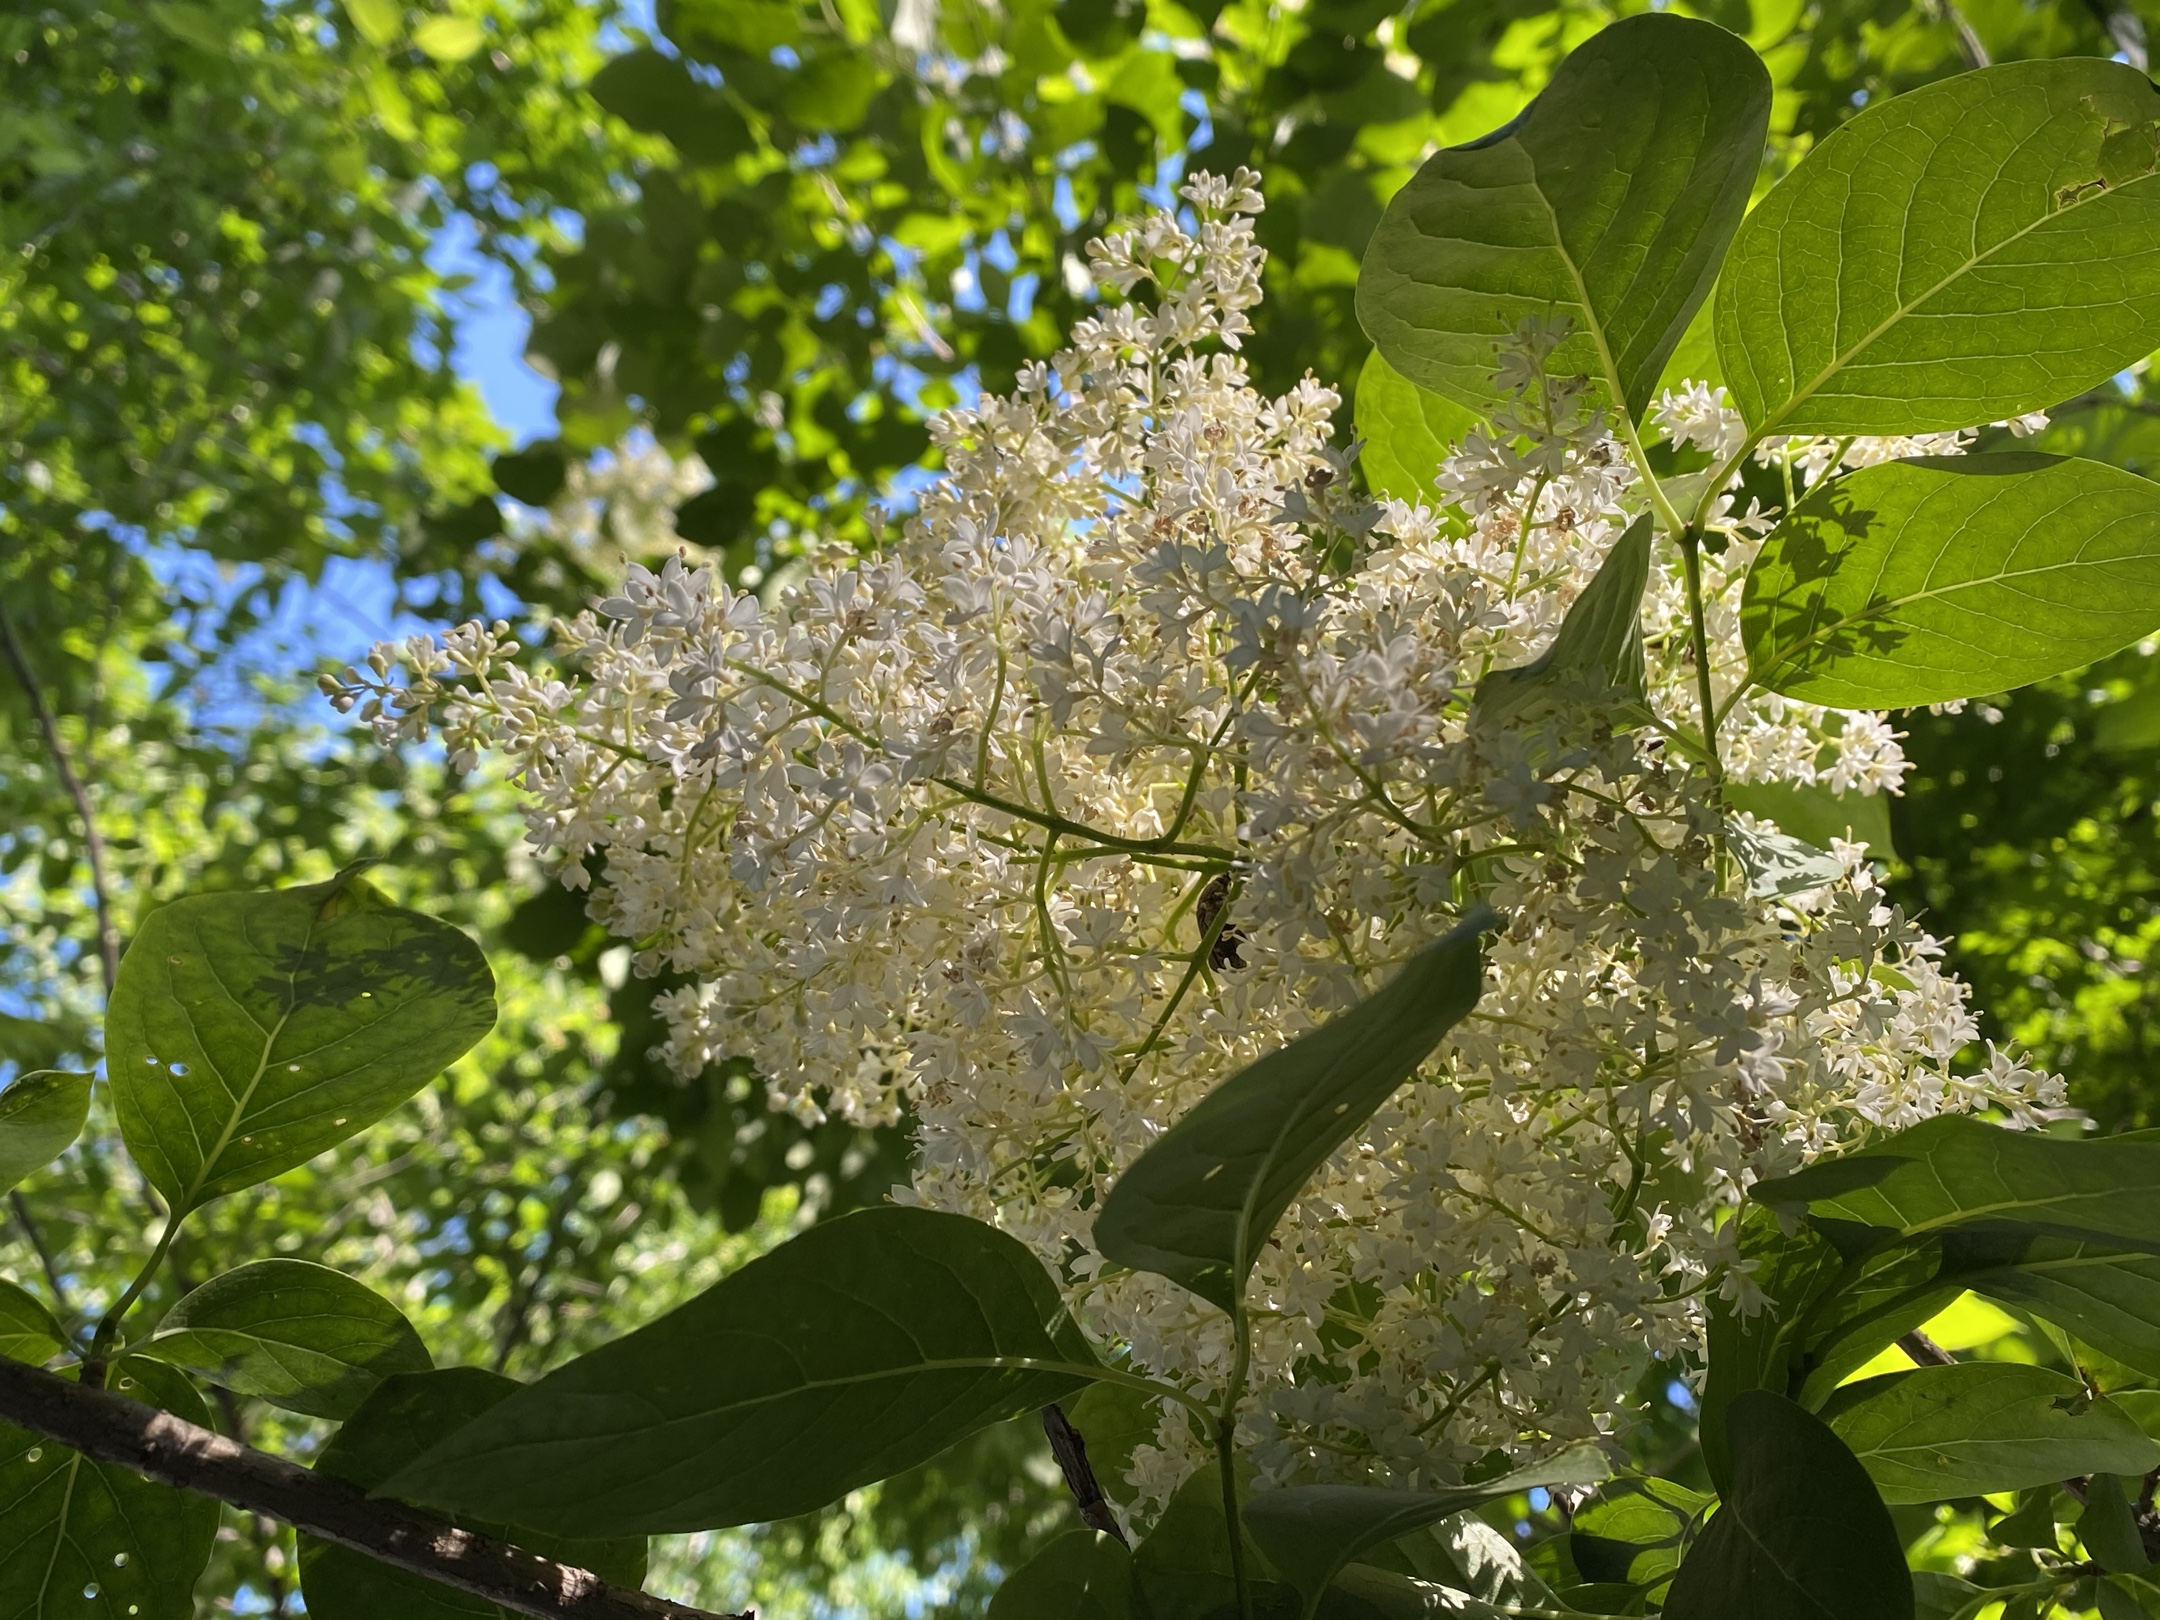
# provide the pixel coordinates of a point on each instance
(1957, 1171)
(1609, 200)
(1408, 431)
(1083, 1575)
(2108, 1298)
(84, 1539)
(41, 1114)
(1952, 577)
(658, 95)
(1595, 663)
(1183, 1567)
(1777, 864)
(379, 21)
(537, 473)
(299, 1335)
(1363, 1592)
(2109, 1527)
(1311, 1531)
(407, 1413)
(449, 39)
(1197, 1206)
(194, 25)
(1937, 1432)
(28, 1331)
(1114, 1421)
(1815, 815)
(1633, 1531)
(1971, 250)
(249, 1032)
(862, 1347)
(1800, 1533)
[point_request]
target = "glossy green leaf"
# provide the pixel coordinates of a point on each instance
(1595, 663)
(1800, 1533)
(41, 1114)
(862, 1347)
(1083, 1575)
(1815, 815)
(1937, 1432)
(1609, 201)
(299, 1335)
(1311, 1531)
(407, 1413)
(1952, 577)
(28, 1331)
(1957, 1171)
(81, 1540)
(249, 1032)
(1197, 1206)
(1183, 1566)
(1971, 250)
(1408, 431)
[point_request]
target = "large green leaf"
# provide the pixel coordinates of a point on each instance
(2108, 1298)
(1197, 1206)
(1309, 1532)
(1594, 667)
(248, 1032)
(1609, 201)
(862, 1347)
(27, 1329)
(1183, 1567)
(1407, 431)
(1937, 1432)
(1952, 577)
(407, 1413)
(1980, 247)
(41, 1114)
(1800, 1533)
(1083, 1575)
(299, 1335)
(1957, 1171)
(81, 1540)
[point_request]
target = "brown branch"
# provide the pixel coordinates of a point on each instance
(93, 841)
(1924, 1350)
(62, 1306)
(172, 1451)
(1070, 1450)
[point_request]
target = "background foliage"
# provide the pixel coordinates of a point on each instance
(772, 236)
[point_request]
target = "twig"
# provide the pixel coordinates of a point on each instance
(65, 1307)
(1070, 1450)
(93, 841)
(113, 1429)
(1925, 1351)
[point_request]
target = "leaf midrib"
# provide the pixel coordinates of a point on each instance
(1839, 362)
(203, 1171)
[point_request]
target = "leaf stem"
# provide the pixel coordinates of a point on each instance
(108, 1328)
(1226, 1459)
(1699, 637)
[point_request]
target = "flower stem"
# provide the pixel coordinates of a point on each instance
(1699, 636)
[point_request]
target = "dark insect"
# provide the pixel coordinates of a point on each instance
(1227, 951)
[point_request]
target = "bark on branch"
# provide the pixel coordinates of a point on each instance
(172, 1451)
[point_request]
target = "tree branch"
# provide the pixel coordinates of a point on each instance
(93, 841)
(172, 1451)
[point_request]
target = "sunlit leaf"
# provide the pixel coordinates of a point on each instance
(248, 1032)
(1609, 201)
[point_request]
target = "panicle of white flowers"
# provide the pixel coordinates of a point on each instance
(1144, 747)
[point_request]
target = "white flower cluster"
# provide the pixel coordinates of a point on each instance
(1146, 747)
